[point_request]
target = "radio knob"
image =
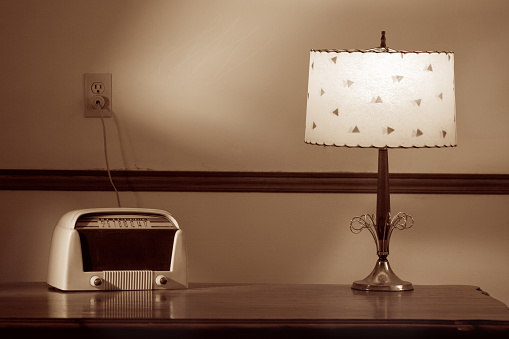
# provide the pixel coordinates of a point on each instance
(161, 280)
(96, 281)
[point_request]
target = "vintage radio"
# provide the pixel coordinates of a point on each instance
(117, 249)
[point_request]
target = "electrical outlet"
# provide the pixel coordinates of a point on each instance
(98, 95)
(97, 87)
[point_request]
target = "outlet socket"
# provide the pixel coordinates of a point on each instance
(97, 87)
(98, 95)
(98, 102)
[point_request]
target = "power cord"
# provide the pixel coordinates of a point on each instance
(106, 158)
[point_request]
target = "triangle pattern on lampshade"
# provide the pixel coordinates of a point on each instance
(397, 78)
(388, 130)
(383, 98)
(355, 130)
(417, 133)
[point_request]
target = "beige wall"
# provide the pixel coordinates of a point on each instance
(221, 85)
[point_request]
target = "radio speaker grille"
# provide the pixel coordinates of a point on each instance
(127, 280)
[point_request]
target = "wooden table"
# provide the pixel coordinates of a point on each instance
(252, 311)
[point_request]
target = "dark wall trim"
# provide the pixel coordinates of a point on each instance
(272, 182)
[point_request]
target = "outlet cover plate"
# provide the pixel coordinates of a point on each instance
(91, 82)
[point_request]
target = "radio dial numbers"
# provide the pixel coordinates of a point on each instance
(124, 223)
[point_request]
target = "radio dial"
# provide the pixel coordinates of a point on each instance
(161, 280)
(96, 281)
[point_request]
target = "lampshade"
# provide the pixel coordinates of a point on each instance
(381, 98)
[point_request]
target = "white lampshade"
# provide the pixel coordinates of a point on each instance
(381, 98)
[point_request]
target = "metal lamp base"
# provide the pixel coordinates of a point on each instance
(382, 278)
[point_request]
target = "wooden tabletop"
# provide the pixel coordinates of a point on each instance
(219, 307)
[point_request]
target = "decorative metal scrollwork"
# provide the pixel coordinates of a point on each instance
(381, 235)
(402, 221)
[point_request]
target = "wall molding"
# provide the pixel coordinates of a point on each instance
(271, 182)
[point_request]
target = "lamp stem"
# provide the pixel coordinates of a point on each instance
(383, 41)
(383, 203)
(382, 278)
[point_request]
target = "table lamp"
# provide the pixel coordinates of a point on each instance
(381, 98)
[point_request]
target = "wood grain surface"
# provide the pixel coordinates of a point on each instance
(252, 310)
